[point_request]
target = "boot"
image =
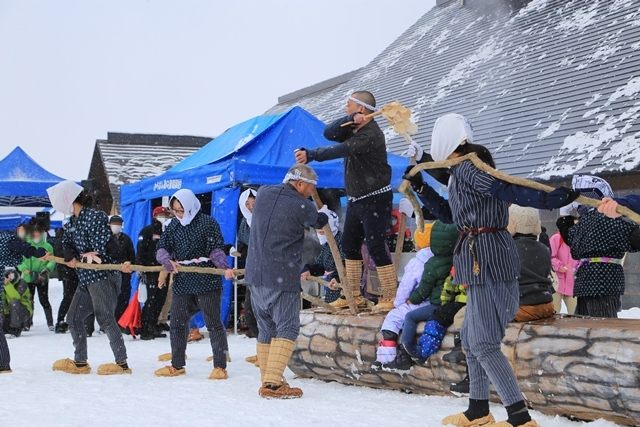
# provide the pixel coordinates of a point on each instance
(5, 370)
(61, 328)
(195, 335)
(218, 374)
(164, 327)
(71, 367)
(273, 384)
(262, 351)
(460, 420)
(461, 387)
(170, 371)
(353, 270)
(253, 360)
(456, 355)
(114, 369)
(402, 362)
(389, 283)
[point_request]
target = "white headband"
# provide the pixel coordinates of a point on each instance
(296, 175)
(363, 104)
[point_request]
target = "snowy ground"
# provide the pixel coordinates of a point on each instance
(34, 395)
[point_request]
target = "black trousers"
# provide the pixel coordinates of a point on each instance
(155, 300)
(42, 287)
(69, 287)
(124, 296)
(185, 306)
(367, 221)
(249, 316)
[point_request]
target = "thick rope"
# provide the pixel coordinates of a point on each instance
(145, 268)
(405, 187)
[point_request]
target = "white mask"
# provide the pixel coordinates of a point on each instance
(37, 240)
(322, 238)
(116, 229)
(162, 219)
(21, 235)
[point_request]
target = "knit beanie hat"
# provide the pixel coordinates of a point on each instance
(524, 221)
(423, 239)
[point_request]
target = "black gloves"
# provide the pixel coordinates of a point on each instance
(560, 197)
(417, 182)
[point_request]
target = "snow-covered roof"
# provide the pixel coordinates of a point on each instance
(551, 87)
(128, 158)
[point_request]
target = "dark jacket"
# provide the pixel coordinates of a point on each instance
(365, 166)
(64, 272)
(437, 268)
(120, 248)
(280, 217)
(535, 269)
(88, 232)
(596, 235)
(198, 239)
(148, 244)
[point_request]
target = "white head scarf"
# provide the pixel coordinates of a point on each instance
(244, 196)
(62, 196)
(190, 204)
(449, 132)
(590, 186)
(334, 222)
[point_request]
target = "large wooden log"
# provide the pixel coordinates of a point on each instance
(573, 367)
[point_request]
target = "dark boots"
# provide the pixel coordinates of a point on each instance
(461, 387)
(403, 361)
(456, 355)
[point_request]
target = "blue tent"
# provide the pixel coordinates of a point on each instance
(23, 182)
(258, 151)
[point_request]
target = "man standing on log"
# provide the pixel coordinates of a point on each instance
(280, 216)
(367, 179)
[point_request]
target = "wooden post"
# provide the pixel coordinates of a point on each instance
(337, 258)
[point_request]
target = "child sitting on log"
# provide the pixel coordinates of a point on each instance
(442, 243)
(536, 290)
(599, 243)
(394, 321)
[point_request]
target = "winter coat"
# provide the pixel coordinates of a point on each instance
(148, 243)
(535, 269)
(88, 232)
(561, 257)
(11, 294)
(596, 235)
(12, 249)
(452, 292)
(199, 238)
(443, 241)
(366, 168)
(32, 267)
(9, 258)
(120, 248)
(411, 276)
(244, 234)
(280, 217)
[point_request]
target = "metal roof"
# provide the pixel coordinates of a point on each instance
(550, 87)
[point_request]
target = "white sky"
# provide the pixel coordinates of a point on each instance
(70, 71)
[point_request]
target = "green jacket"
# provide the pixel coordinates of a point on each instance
(443, 242)
(452, 292)
(12, 294)
(35, 266)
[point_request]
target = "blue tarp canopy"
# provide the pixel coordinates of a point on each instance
(258, 151)
(23, 181)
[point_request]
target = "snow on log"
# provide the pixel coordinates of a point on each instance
(574, 367)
